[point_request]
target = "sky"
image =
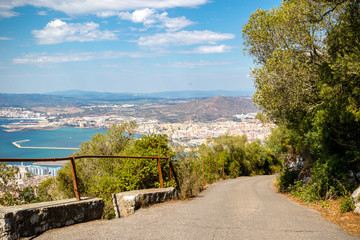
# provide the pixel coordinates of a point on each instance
(125, 45)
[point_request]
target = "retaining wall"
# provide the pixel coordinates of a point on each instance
(125, 203)
(32, 219)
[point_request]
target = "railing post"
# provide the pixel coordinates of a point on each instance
(160, 173)
(171, 178)
(223, 172)
(195, 173)
(209, 170)
(73, 172)
(174, 173)
(216, 173)
(203, 167)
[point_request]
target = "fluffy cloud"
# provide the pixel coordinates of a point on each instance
(150, 18)
(58, 31)
(212, 49)
(44, 58)
(183, 38)
(77, 7)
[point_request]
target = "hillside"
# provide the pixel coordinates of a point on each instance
(36, 100)
(207, 109)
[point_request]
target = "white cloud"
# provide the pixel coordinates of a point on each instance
(80, 7)
(197, 64)
(45, 58)
(58, 31)
(56, 58)
(175, 24)
(146, 16)
(42, 13)
(183, 38)
(5, 38)
(212, 49)
(151, 18)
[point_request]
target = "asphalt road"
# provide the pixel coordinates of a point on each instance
(242, 208)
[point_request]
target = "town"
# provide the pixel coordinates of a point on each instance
(188, 134)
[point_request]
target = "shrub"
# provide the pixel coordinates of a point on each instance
(286, 179)
(346, 204)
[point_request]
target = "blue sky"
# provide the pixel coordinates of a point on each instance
(124, 45)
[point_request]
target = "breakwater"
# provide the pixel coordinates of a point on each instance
(16, 144)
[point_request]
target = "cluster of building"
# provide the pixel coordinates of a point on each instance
(190, 134)
(14, 112)
(32, 175)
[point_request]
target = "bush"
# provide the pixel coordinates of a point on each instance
(307, 192)
(346, 204)
(286, 179)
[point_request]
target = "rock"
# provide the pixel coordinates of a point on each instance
(355, 196)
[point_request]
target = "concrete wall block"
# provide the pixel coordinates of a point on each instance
(125, 203)
(31, 219)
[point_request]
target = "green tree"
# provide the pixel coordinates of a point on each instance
(101, 177)
(8, 185)
(10, 193)
(307, 80)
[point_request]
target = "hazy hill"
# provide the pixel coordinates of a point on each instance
(206, 109)
(35, 100)
(108, 96)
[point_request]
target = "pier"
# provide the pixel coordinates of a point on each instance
(16, 144)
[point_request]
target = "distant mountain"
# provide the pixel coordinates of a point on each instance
(199, 94)
(35, 100)
(206, 109)
(96, 96)
(107, 96)
(77, 97)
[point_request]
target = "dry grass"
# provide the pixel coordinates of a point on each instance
(330, 211)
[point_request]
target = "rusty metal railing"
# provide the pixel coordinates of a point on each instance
(72, 158)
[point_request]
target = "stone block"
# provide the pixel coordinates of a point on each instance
(31, 219)
(125, 203)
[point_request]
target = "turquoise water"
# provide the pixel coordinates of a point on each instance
(63, 137)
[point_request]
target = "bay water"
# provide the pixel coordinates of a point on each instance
(68, 137)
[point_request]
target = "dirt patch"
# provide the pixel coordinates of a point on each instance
(330, 211)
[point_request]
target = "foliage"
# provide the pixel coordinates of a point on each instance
(286, 179)
(10, 193)
(346, 204)
(234, 157)
(99, 177)
(307, 81)
(189, 172)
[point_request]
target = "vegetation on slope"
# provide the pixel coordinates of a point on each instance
(222, 157)
(307, 80)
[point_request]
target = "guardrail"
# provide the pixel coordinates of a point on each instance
(73, 166)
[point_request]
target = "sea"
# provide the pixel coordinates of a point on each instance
(68, 137)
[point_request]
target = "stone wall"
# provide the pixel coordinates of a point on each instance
(125, 203)
(31, 219)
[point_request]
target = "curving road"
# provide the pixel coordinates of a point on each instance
(242, 208)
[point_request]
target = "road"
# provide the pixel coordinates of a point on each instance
(242, 208)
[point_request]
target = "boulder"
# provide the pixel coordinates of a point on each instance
(356, 198)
